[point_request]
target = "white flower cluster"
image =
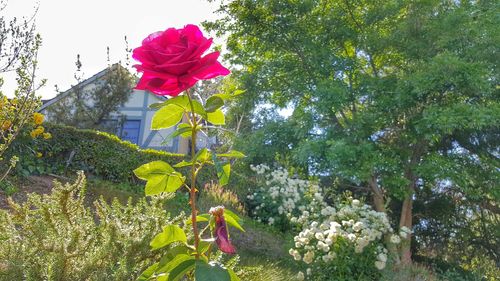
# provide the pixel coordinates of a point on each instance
(354, 224)
(404, 233)
(283, 197)
(260, 169)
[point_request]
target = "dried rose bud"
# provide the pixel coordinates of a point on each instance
(220, 233)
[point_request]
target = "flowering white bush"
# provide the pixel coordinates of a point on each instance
(344, 241)
(281, 199)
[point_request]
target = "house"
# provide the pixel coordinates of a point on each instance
(135, 118)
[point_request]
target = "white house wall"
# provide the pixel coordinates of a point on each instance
(137, 108)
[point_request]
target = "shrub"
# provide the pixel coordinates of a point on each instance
(97, 153)
(56, 237)
(281, 199)
(345, 244)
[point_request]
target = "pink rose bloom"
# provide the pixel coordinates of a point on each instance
(172, 61)
(220, 232)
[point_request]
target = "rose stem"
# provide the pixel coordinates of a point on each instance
(193, 176)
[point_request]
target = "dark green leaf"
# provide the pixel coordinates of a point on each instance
(213, 103)
(183, 264)
(148, 273)
(207, 272)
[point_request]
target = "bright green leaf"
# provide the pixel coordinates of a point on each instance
(200, 218)
(223, 174)
(216, 117)
(233, 220)
(202, 156)
(166, 117)
(183, 102)
(160, 177)
(183, 163)
(232, 154)
(170, 234)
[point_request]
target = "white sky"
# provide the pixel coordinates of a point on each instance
(71, 27)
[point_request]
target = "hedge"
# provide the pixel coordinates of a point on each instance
(96, 153)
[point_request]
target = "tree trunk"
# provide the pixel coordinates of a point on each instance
(406, 220)
(379, 203)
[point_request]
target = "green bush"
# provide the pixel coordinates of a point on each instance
(96, 153)
(56, 237)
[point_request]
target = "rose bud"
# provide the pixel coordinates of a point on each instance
(220, 233)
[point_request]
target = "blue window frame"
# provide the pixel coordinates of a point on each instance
(131, 130)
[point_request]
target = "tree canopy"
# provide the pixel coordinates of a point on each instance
(397, 99)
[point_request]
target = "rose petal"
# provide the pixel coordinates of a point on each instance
(222, 239)
(209, 68)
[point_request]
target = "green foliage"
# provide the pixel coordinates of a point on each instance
(387, 99)
(57, 237)
(96, 153)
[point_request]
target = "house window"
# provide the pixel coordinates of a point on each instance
(131, 130)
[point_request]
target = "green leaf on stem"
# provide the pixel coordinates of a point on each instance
(183, 163)
(223, 170)
(213, 103)
(233, 220)
(225, 97)
(170, 234)
(160, 177)
(178, 267)
(208, 272)
(232, 154)
(232, 275)
(184, 130)
(216, 117)
(199, 218)
(202, 156)
(204, 245)
(148, 273)
(157, 105)
(183, 101)
(166, 117)
(223, 174)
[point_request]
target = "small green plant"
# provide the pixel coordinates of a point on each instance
(57, 237)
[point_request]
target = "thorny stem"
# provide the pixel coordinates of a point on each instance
(192, 191)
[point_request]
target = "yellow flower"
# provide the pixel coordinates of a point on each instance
(38, 117)
(39, 154)
(47, 136)
(38, 131)
(6, 125)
